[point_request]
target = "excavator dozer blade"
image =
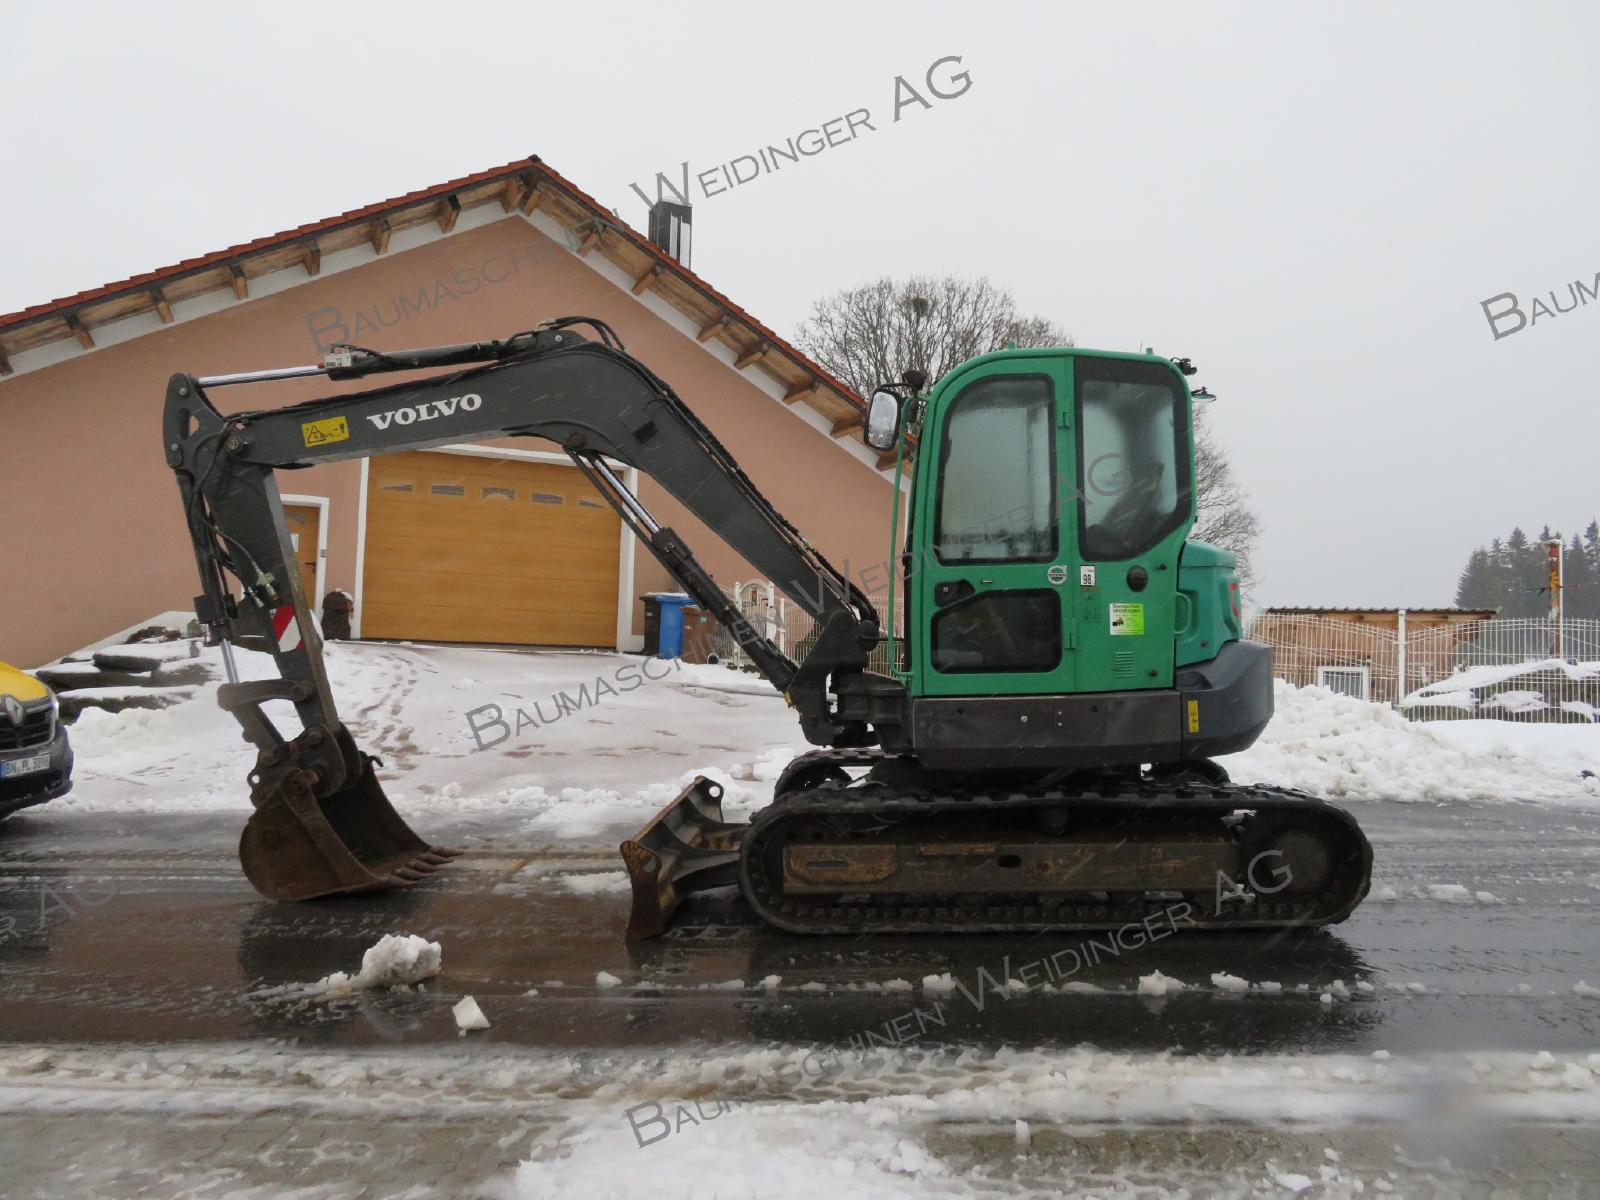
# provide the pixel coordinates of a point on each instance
(687, 847)
(296, 847)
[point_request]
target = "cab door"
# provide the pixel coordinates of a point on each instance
(992, 616)
(1134, 505)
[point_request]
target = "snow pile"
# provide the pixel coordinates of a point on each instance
(397, 960)
(1342, 748)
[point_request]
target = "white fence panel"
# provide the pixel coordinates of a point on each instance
(1514, 669)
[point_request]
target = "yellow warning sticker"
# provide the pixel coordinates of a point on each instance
(1194, 716)
(320, 433)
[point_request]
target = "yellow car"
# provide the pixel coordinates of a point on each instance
(35, 758)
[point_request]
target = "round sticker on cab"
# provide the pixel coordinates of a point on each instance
(1056, 574)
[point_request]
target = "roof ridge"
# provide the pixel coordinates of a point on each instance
(610, 219)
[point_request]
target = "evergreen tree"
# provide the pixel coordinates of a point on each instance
(1524, 576)
(1512, 575)
(1476, 587)
(1582, 582)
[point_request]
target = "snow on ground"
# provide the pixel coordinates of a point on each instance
(583, 743)
(790, 1121)
(1342, 748)
(576, 743)
(880, 1127)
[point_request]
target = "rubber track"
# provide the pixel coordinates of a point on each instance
(868, 806)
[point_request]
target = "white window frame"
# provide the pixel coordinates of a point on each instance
(1364, 672)
(320, 502)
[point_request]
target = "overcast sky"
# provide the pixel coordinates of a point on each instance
(1309, 202)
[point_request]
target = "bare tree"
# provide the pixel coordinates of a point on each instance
(1225, 517)
(867, 335)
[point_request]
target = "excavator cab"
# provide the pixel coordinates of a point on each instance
(1046, 554)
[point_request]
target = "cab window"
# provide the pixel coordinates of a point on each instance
(1133, 457)
(996, 460)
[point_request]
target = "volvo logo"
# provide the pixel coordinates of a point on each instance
(428, 411)
(14, 710)
(1056, 574)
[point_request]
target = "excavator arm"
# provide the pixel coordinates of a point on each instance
(322, 823)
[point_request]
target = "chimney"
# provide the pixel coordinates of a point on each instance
(671, 228)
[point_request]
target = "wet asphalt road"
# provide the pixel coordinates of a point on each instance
(140, 928)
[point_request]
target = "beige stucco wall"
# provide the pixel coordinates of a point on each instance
(93, 536)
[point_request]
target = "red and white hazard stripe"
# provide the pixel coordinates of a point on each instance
(286, 629)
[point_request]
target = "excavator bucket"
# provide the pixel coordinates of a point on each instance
(687, 847)
(297, 847)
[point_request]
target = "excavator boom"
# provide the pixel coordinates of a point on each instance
(322, 824)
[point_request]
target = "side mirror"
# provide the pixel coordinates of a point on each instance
(883, 421)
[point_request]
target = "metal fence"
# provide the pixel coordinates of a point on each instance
(781, 620)
(1513, 669)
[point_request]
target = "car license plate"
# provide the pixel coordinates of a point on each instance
(24, 766)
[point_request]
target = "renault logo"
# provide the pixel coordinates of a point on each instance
(14, 709)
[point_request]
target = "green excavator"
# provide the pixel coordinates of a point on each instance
(1037, 747)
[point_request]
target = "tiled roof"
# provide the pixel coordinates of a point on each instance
(58, 320)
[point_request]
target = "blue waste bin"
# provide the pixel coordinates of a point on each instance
(671, 606)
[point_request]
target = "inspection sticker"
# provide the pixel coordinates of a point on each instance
(320, 433)
(1085, 576)
(1127, 619)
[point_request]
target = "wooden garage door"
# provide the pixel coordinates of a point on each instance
(468, 549)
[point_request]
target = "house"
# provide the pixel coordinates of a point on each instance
(1365, 652)
(500, 542)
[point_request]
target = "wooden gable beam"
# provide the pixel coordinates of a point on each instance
(709, 330)
(380, 235)
(886, 461)
(591, 239)
(844, 425)
(648, 280)
(512, 194)
(85, 338)
(311, 258)
(449, 211)
(163, 309)
(800, 391)
(241, 285)
(532, 198)
(5, 364)
(751, 354)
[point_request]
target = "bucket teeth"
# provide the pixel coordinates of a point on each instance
(298, 845)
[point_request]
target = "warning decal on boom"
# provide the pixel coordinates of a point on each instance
(320, 433)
